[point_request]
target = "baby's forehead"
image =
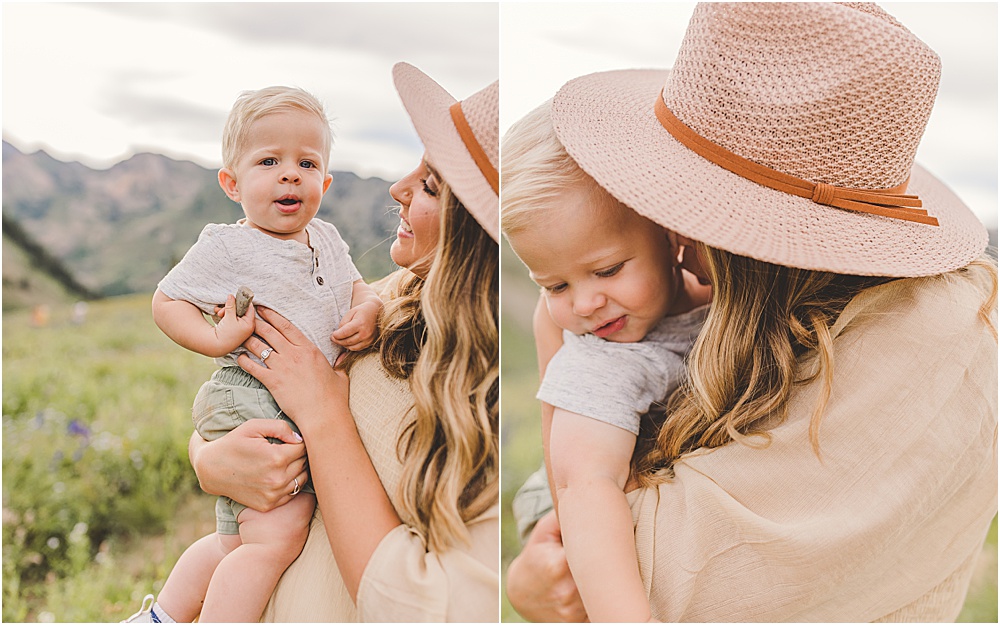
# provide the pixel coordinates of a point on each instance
(608, 214)
(262, 130)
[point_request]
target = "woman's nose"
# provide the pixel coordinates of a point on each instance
(586, 303)
(400, 191)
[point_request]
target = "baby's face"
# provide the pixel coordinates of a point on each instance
(602, 270)
(280, 177)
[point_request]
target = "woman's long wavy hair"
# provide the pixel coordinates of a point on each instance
(743, 367)
(441, 333)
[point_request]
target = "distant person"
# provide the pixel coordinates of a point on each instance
(40, 315)
(612, 282)
(80, 313)
(276, 148)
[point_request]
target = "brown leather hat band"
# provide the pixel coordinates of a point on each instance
(885, 202)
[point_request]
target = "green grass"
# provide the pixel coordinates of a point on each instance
(98, 496)
(96, 418)
(520, 433)
(981, 602)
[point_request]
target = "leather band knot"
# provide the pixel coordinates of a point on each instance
(892, 202)
(472, 145)
(823, 194)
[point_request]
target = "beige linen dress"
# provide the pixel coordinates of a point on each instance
(403, 581)
(887, 526)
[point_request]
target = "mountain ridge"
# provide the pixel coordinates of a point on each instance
(119, 230)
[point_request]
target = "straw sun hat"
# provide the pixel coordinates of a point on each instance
(765, 136)
(462, 139)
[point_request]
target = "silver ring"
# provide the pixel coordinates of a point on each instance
(295, 491)
(263, 356)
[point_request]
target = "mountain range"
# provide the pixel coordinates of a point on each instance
(120, 230)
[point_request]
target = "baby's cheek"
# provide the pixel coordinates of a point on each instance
(560, 314)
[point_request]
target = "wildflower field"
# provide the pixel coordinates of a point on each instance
(98, 496)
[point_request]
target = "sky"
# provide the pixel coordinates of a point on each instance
(97, 82)
(959, 145)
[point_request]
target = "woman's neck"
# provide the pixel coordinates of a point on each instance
(690, 294)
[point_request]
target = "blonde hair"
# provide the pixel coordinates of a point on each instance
(739, 382)
(441, 333)
(251, 106)
(537, 171)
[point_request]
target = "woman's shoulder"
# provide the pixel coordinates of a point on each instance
(934, 305)
(387, 286)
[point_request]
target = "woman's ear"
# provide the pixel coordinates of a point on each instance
(676, 249)
(227, 180)
(691, 259)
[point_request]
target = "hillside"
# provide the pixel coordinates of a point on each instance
(122, 229)
(32, 276)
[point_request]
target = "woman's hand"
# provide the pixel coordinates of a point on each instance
(539, 584)
(245, 466)
(297, 374)
(357, 512)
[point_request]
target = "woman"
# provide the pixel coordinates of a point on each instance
(833, 454)
(405, 465)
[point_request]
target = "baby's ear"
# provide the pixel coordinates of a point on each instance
(327, 181)
(227, 180)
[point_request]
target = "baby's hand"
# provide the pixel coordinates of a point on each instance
(359, 327)
(230, 330)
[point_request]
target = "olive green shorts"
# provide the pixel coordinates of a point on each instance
(230, 398)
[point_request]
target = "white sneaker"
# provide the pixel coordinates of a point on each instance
(145, 613)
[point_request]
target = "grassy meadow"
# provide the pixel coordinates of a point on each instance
(98, 496)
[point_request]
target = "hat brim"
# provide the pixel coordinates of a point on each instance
(607, 124)
(427, 104)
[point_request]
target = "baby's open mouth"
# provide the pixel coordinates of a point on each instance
(288, 201)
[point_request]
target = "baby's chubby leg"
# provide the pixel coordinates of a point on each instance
(183, 593)
(244, 580)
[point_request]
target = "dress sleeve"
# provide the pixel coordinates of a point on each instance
(404, 582)
(899, 500)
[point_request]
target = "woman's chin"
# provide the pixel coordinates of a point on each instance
(398, 254)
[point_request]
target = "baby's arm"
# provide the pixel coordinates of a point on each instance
(548, 340)
(185, 324)
(359, 327)
(590, 465)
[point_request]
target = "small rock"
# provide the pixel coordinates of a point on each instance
(243, 298)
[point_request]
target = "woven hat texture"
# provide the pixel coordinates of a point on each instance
(428, 105)
(831, 93)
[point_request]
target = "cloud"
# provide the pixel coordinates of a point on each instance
(460, 36)
(155, 112)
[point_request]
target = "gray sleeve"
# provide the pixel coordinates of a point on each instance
(611, 382)
(532, 501)
(205, 275)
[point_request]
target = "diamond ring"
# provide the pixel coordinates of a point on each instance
(264, 354)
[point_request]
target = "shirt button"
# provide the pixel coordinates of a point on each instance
(319, 280)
